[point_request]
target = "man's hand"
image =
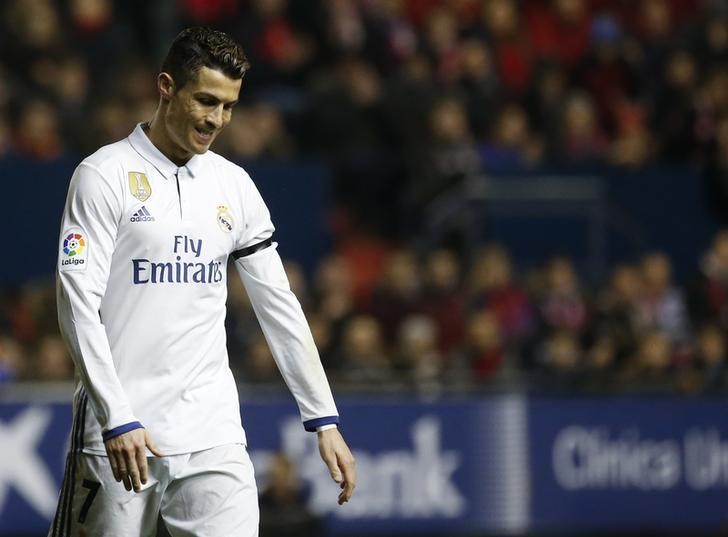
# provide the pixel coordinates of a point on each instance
(128, 457)
(340, 461)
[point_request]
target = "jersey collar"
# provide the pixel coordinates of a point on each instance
(144, 146)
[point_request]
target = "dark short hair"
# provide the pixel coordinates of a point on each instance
(200, 47)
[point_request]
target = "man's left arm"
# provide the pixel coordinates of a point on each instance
(289, 338)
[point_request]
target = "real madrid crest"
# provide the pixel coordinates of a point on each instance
(225, 219)
(139, 186)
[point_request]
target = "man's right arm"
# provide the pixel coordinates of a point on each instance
(88, 235)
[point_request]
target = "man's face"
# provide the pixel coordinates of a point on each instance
(199, 110)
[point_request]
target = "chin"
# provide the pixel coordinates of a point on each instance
(199, 148)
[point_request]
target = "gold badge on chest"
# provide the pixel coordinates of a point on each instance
(139, 186)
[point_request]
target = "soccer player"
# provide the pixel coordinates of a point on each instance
(148, 226)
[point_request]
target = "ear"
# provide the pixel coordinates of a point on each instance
(165, 85)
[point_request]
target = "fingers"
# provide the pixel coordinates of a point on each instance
(128, 467)
(128, 460)
(141, 463)
(134, 472)
(119, 467)
(346, 462)
(114, 466)
(332, 464)
(340, 462)
(152, 446)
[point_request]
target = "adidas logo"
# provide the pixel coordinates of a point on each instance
(142, 215)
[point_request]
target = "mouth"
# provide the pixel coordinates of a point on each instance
(204, 135)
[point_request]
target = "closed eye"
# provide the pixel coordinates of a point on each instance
(208, 100)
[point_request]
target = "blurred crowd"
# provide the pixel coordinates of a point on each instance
(434, 323)
(404, 98)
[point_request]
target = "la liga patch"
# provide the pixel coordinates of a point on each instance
(73, 250)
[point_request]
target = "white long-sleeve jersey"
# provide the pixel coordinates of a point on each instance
(141, 298)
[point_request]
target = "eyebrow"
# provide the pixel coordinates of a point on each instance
(214, 98)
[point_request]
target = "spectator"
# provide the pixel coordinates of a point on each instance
(708, 296)
(283, 51)
(562, 303)
(559, 29)
(363, 357)
(605, 71)
(259, 367)
(30, 31)
(655, 28)
(441, 41)
(109, 121)
(418, 357)
(451, 156)
(257, 132)
(442, 298)
(710, 359)
(99, 31)
(581, 137)
(283, 511)
(51, 361)
(651, 367)
(560, 360)
(297, 280)
(479, 84)
(712, 38)
(240, 324)
(409, 99)
(545, 105)
(510, 43)
(30, 313)
(617, 310)
(347, 121)
(674, 113)
(345, 30)
(11, 360)
(36, 134)
(510, 146)
(393, 38)
(632, 145)
(600, 368)
(322, 333)
(492, 287)
(661, 305)
(483, 353)
(334, 296)
(399, 293)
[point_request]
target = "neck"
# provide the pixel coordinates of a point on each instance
(159, 137)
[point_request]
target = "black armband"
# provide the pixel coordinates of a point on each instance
(244, 252)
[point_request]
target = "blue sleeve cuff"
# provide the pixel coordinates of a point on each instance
(311, 425)
(121, 429)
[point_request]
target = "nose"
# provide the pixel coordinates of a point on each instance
(214, 118)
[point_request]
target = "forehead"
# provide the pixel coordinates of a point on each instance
(215, 83)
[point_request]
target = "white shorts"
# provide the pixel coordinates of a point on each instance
(210, 493)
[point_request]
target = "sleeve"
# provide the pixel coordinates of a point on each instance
(88, 235)
(257, 226)
(281, 317)
(288, 335)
